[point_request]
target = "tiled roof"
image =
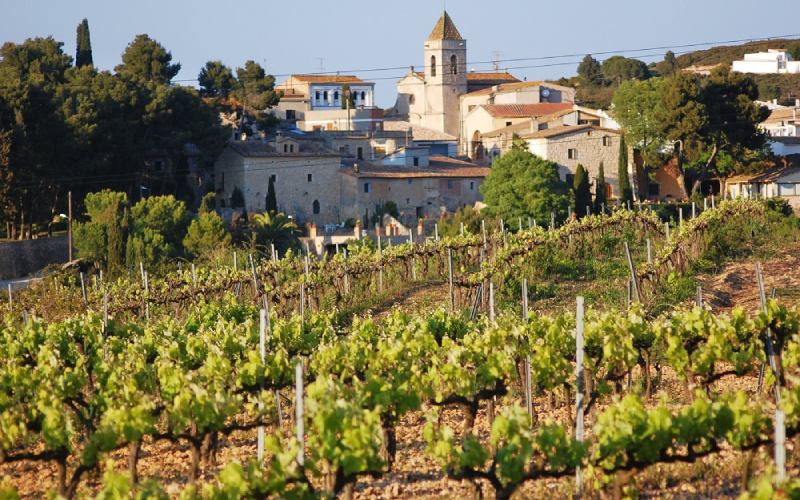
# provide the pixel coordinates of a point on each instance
(510, 87)
(782, 114)
(417, 133)
(258, 149)
(565, 129)
(516, 128)
(767, 176)
(525, 110)
(490, 76)
(311, 78)
(784, 139)
(445, 29)
(440, 166)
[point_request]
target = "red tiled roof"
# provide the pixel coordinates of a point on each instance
(525, 110)
(492, 76)
(440, 166)
(565, 129)
(328, 78)
(445, 29)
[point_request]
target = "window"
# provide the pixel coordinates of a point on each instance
(285, 148)
(409, 181)
(606, 140)
(291, 114)
(572, 154)
(416, 161)
(317, 95)
(508, 124)
(653, 189)
(336, 95)
(367, 187)
(454, 64)
(315, 205)
(325, 95)
(309, 177)
(363, 96)
(411, 99)
(449, 184)
(360, 153)
(433, 65)
(408, 200)
(472, 185)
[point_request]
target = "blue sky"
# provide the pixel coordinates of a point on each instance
(290, 36)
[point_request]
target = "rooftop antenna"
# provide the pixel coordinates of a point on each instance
(321, 64)
(496, 57)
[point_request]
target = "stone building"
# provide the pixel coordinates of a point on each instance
(588, 145)
(307, 180)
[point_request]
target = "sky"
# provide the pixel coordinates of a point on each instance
(351, 35)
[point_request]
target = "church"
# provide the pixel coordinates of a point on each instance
(431, 98)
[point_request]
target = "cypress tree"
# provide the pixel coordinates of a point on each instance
(580, 188)
(272, 202)
(625, 191)
(83, 52)
(600, 190)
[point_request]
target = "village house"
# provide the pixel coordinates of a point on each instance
(781, 181)
(320, 102)
(774, 61)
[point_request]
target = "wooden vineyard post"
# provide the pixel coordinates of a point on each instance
(552, 220)
(255, 276)
(767, 339)
(705, 203)
(235, 260)
(519, 224)
(10, 298)
(462, 229)
(450, 279)
(528, 389)
(694, 210)
(603, 208)
(83, 290)
(579, 388)
(649, 252)
(713, 203)
(588, 210)
(780, 446)
(194, 275)
(298, 414)
(491, 301)
(380, 266)
(413, 259)
(530, 223)
(302, 300)
(699, 296)
(503, 232)
(680, 216)
(666, 228)
(146, 297)
(346, 277)
(436, 232)
(636, 295)
(262, 351)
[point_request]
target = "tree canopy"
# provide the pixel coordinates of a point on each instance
(146, 59)
(216, 79)
(83, 50)
(521, 184)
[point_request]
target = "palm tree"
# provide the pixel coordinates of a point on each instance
(274, 228)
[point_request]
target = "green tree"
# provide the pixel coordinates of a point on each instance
(618, 69)
(518, 143)
(712, 115)
(208, 203)
(600, 190)
(625, 190)
(276, 229)
(102, 238)
(255, 87)
(157, 230)
(520, 184)
(581, 191)
(590, 71)
(83, 50)
(348, 97)
(216, 79)
(206, 234)
(271, 203)
(668, 66)
(147, 60)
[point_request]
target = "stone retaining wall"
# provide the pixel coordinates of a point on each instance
(22, 258)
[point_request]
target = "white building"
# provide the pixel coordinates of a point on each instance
(773, 61)
(783, 182)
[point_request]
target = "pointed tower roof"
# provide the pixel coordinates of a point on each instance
(445, 29)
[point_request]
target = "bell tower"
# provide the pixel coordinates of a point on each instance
(445, 76)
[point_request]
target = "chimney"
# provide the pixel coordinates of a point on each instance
(357, 229)
(312, 230)
(355, 167)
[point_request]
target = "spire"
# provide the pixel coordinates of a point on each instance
(445, 29)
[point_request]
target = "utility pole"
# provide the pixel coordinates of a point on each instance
(69, 224)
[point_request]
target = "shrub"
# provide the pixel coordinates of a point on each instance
(206, 233)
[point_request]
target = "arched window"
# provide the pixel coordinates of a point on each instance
(433, 65)
(325, 95)
(315, 207)
(454, 64)
(363, 96)
(411, 99)
(336, 95)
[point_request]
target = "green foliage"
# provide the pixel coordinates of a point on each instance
(274, 228)
(206, 234)
(157, 230)
(384, 208)
(520, 184)
(271, 202)
(635, 103)
(216, 79)
(668, 66)
(581, 192)
(600, 190)
(147, 60)
(102, 238)
(619, 69)
(590, 72)
(518, 143)
(83, 50)
(237, 198)
(470, 217)
(625, 189)
(348, 97)
(255, 87)
(208, 203)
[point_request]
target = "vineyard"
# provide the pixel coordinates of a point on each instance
(555, 362)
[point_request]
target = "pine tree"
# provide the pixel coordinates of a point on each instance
(580, 189)
(272, 202)
(600, 190)
(625, 191)
(83, 52)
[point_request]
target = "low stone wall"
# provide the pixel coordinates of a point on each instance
(22, 258)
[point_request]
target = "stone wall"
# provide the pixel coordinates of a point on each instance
(22, 258)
